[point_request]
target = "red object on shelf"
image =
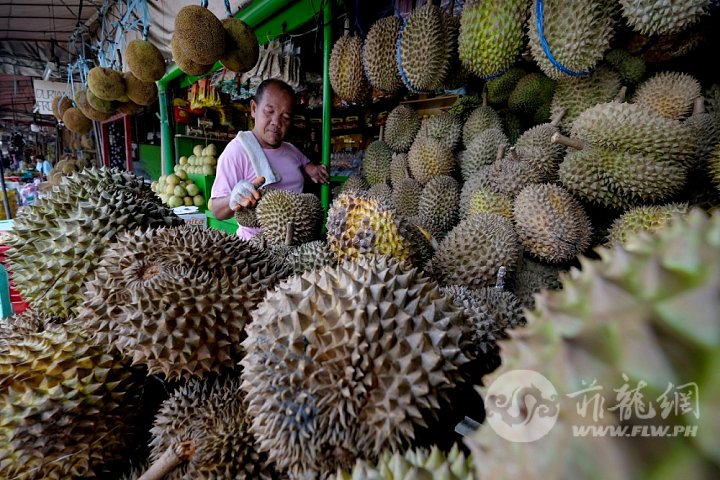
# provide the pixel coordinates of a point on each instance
(18, 303)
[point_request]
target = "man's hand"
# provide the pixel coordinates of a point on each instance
(244, 194)
(317, 173)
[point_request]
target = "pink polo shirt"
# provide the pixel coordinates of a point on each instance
(234, 165)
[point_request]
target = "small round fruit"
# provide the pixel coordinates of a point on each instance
(192, 189)
(188, 201)
(199, 201)
(179, 191)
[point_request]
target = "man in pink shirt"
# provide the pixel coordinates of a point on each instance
(233, 187)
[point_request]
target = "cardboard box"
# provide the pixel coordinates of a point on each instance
(195, 219)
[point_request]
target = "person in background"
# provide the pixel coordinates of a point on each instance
(43, 166)
(272, 109)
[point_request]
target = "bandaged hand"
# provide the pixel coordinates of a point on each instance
(244, 194)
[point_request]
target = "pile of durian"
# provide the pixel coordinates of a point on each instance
(463, 251)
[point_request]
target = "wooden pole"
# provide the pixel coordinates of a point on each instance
(169, 460)
(575, 143)
(289, 233)
(558, 117)
(699, 106)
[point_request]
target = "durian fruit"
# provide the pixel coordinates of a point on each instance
(141, 93)
(241, 46)
(401, 127)
(76, 121)
(60, 105)
(82, 103)
(383, 192)
(464, 106)
(247, 217)
(355, 182)
(644, 219)
(530, 93)
(106, 83)
(144, 60)
(406, 196)
(68, 408)
(56, 242)
(533, 277)
(650, 17)
(429, 158)
(671, 94)
(310, 256)
(550, 223)
(359, 224)
(278, 207)
(707, 130)
(379, 55)
(423, 53)
(714, 166)
(642, 319)
(486, 200)
(444, 127)
(491, 35)
(480, 180)
(199, 34)
(337, 364)
(483, 150)
(376, 163)
(105, 106)
(211, 416)
(439, 203)
(575, 95)
(399, 168)
(163, 305)
(182, 60)
(500, 88)
(577, 34)
(514, 125)
(475, 249)
(346, 69)
(512, 173)
(630, 67)
(415, 464)
(550, 154)
(481, 119)
(458, 74)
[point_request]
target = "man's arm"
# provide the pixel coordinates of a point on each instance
(220, 208)
(317, 173)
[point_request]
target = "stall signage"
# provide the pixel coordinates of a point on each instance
(45, 92)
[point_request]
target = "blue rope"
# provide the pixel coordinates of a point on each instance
(494, 76)
(228, 10)
(145, 19)
(399, 62)
(540, 13)
(204, 3)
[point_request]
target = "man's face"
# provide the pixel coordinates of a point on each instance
(273, 116)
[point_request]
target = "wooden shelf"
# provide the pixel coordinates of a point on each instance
(431, 106)
(195, 137)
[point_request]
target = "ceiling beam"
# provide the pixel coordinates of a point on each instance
(46, 40)
(38, 16)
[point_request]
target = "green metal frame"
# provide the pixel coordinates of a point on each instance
(269, 19)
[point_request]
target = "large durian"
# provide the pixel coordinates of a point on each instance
(399, 168)
(182, 60)
(439, 203)
(144, 60)
(500, 88)
(533, 277)
(241, 46)
(60, 104)
(577, 34)
(482, 150)
(406, 196)
(512, 173)
(530, 93)
(644, 219)
(548, 154)
(106, 83)
(650, 17)
(630, 67)
(355, 183)
(68, 408)
(278, 207)
(401, 127)
(550, 223)
(82, 103)
(445, 127)
(481, 119)
(379, 54)
(140, 92)
(423, 53)
(429, 158)
(76, 121)
(383, 192)
(161, 304)
(336, 364)
(480, 180)
(491, 35)
(376, 163)
(346, 69)
(473, 251)
(209, 415)
(57, 242)
(199, 35)
(575, 95)
(486, 200)
(671, 94)
(310, 256)
(641, 319)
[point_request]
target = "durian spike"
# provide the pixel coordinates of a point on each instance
(500, 283)
(699, 106)
(620, 97)
(500, 152)
(169, 460)
(575, 143)
(289, 233)
(555, 121)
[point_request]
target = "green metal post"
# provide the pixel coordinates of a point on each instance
(167, 155)
(327, 100)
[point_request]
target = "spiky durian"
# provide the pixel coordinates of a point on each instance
(415, 464)
(511, 174)
(550, 223)
(68, 408)
(480, 180)
(210, 416)
(379, 54)
(482, 150)
(355, 182)
(406, 196)
(76, 121)
(576, 33)
(644, 219)
(464, 106)
(181, 314)
(631, 68)
(401, 127)
(475, 249)
(485, 200)
(199, 34)
(310, 256)
(247, 217)
(376, 162)
(531, 278)
(491, 35)
(530, 93)
(445, 127)
(650, 17)
(182, 60)
(141, 93)
(671, 94)
(500, 88)
(653, 304)
(539, 137)
(329, 349)
(105, 106)
(278, 207)
(423, 56)
(82, 103)
(60, 104)
(439, 203)
(575, 95)
(383, 192)
(106, 83)
(481, 119)
(241, 46)
(399, 168)
(714, 166)
(429, 158)
(144, 60)
(346, 69)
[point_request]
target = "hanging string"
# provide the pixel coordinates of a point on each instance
(204, 3)
(540, 13)
(228, 10)
(145, 19)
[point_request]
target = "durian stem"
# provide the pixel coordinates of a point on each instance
(500, 281)
(289, 233)
(169, 460)
(620, 97)
(699, 106)
(558, 117)
(500, 152)
(575, 143)
(514, 154)
(484, 96)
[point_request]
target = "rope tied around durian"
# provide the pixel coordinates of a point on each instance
(204, 3)
(540, 24)
(228, 9)
(405, 79)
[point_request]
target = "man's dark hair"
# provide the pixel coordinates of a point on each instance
(275, 82)
(40, 156)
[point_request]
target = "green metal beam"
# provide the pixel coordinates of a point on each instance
(327, 101)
